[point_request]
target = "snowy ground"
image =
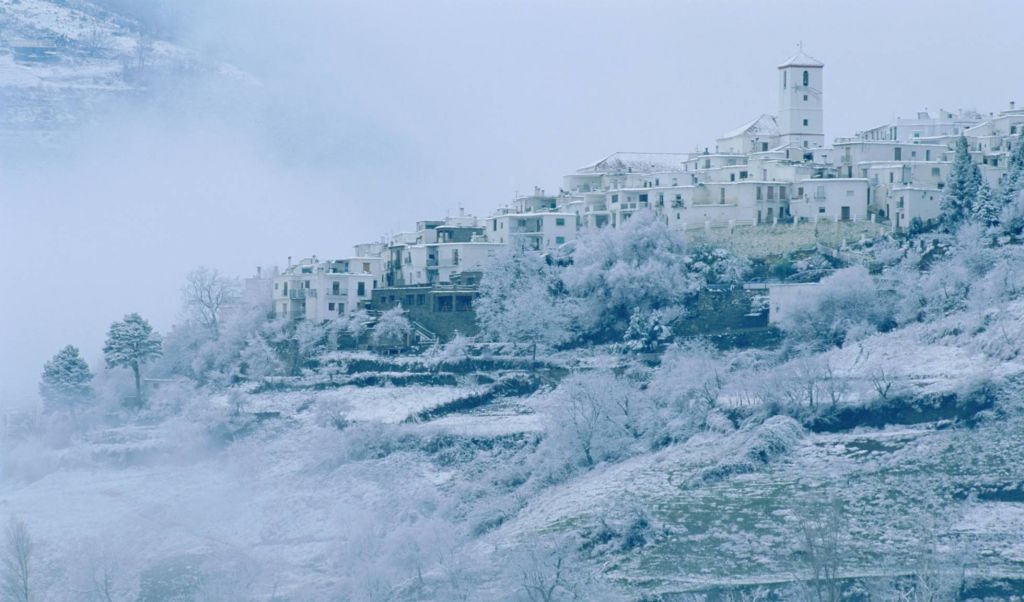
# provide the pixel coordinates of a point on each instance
(297, 502)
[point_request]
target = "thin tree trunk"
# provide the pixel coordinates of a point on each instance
(138, 384)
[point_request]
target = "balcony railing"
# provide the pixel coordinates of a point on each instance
(297, 293)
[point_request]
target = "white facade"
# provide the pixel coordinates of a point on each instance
(322, 290)
(830, 199)
(437, 251)
(801, 102)
(772, 168)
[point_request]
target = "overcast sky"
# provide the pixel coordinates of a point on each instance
(364, 117)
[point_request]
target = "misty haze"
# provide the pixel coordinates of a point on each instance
(525, 301)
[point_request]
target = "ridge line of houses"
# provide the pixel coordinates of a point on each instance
(772, 169)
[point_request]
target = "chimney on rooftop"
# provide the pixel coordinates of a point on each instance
(289, 261)
(1012, 105)
(259, 272)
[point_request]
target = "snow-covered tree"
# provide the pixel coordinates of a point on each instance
(987, 207)
(647, 330)
(354, 325)
(1014, 181)
(844, 304)
(206, 295)
(645, 265)
(17, 574)
(130, 344)
(296, 342)
(65, 381)
(519, 301)
(599, 416)
(392, 328)
(962, 187)
(258, 359)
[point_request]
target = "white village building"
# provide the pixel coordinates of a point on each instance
(773, 168)
(324, 289)
(777, 168)
(436, 251)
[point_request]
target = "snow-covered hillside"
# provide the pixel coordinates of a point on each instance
(60, 61)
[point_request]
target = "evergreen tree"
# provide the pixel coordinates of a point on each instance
(963, 185)
(65, 380)
(1014, 181)
(131, 343)
(987, 206)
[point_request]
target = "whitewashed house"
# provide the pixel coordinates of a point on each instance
(321, 290)
(438, 251)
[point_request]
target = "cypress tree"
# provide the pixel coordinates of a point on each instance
(962, 188)
(1014, 173)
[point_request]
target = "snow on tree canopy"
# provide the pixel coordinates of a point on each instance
(66, 378)
(131, 343)
(964, 182)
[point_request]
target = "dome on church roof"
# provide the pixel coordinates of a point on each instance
(801, 59)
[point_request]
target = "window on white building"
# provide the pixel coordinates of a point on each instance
(807, 78)
(805, 123)
(330, 307)
(559, 240)
(361, 288)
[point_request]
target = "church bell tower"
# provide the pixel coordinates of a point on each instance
(801, 116)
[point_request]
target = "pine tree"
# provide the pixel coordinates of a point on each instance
(65, 380)
(963, 185)
(131, 343)
(987, 207)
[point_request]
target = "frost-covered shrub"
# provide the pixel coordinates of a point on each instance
(521, 301)
(760, 445)
(683, 390)
(258, 360)
(197, 354)
(643, 264)
(452, 353)
(947, 284)
(392, 328)
(171, 398)
(648, 330)
(844, 304)
(594, 417)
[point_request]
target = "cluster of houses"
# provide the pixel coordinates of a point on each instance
(772, 169)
